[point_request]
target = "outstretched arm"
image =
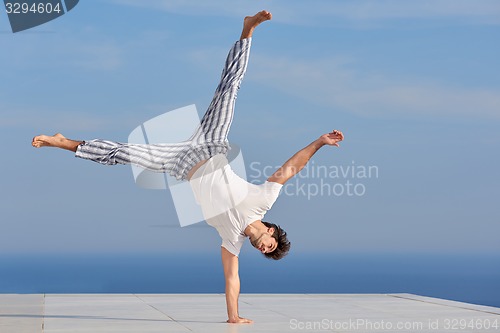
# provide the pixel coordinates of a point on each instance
(298, 161)
(230, 263)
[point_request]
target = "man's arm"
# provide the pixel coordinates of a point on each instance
(298, 161)
(230, 263)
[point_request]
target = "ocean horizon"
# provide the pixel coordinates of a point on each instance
(467, 278)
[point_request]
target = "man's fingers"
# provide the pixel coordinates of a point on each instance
(338, 134)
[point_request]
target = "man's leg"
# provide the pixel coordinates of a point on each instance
(217, 119)
(179, 158)
(155, 157)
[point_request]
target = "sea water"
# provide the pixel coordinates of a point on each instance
(467, 278)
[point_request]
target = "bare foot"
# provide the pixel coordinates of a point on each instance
(251, 22)
(254, 21)
(47, 141)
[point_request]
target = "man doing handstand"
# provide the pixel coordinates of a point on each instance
(230, 204)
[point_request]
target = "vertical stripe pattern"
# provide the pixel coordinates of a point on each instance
(208, 140)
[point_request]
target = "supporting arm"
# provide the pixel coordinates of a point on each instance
(230, 263)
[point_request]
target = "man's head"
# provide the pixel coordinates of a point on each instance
(273, 243)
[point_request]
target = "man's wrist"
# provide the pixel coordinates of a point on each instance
(319, 143)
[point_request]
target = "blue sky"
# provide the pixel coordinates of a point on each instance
(414, 85)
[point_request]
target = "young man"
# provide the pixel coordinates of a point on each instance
(230, 204)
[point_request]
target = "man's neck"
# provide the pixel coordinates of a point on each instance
(255, 229)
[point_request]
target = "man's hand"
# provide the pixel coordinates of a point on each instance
(240, 320)
(332, 139)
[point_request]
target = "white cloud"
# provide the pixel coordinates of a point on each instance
(76, 50)
(327, 12)
(96, 56)
(330, 83)
(47, 121)
(64, 118)
(396, 9)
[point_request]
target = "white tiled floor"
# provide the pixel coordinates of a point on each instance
(96, 313)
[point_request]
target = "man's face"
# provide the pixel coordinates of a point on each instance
(265, 243)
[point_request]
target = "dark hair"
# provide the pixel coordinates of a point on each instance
(283, 243)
